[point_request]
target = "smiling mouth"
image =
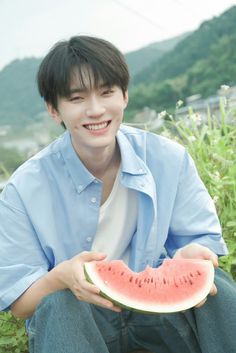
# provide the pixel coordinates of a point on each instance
(97, 126)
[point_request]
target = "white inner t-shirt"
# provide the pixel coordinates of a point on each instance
(117, 222)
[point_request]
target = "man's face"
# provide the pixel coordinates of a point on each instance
(92, 116)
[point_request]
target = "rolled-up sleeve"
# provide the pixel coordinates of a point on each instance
(22, 260)
(194, 217)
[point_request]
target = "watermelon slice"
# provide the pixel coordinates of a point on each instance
(177, 285)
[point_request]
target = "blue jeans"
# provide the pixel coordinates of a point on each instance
(63, 324)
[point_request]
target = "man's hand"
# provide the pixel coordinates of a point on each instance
(73, 277)
(197, 251)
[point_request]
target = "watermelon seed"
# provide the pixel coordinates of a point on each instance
(109, 268)
(185, 279)
(191, 274)
(199, 273)
(131, 279)
(152, 280)
(122, 273)
(176, 285)
(136, 280)
(191, 282)
(164, 280)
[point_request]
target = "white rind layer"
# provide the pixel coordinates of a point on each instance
(152, 307)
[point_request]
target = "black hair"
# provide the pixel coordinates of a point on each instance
(78, 56)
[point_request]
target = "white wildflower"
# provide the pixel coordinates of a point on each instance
(217, 176)
(162, 114)
(215, 199)
(179, 104)
(166, 133)
(192, 138)
(224, 87)
(196, 117)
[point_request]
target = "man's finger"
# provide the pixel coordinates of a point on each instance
(199, 305)
(213, 290)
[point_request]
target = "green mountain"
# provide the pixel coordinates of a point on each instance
(199, 64)
(141, 59)
(20, 101)
(194, 47)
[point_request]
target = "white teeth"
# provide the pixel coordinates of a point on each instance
(97, 126)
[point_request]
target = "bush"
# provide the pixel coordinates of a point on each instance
(13, 338)
(212, 144)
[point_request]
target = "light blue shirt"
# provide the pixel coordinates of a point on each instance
(49, 210)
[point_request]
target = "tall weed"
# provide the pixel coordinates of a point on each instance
(212, 144)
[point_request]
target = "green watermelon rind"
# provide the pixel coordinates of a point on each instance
(159, 308)
(121, 305)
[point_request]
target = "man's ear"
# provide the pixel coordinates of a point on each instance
(126, 99)
(54, 113)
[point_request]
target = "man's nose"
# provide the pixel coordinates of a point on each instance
(95, 108)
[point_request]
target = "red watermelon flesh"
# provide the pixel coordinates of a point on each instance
(178, 284)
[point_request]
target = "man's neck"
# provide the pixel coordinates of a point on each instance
(102, 162)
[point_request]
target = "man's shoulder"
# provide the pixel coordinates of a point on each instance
(37, 165)
(152, 142)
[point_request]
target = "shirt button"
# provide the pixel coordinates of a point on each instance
(93, 199)
(95, 181)
(140, 170)
(80, 187)
(89, 239)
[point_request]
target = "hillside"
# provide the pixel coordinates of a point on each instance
(20, 101)
(140, 59)
(196, 46)
(199, 64)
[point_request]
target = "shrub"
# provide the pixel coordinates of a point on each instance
(212, 144)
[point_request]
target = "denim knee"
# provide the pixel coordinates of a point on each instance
(63, 303)
(62, 323)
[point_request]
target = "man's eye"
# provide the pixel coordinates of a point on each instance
(75, 98)
(108, 91)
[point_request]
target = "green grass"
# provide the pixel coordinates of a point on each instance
(212, 144)
(213, 147)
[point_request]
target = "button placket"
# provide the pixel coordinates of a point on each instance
(93, 199)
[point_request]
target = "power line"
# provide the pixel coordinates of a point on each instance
(137, 13)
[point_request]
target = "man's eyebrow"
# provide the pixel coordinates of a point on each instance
(85, 89)
(77, 90)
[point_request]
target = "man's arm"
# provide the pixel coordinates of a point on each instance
(68, 274)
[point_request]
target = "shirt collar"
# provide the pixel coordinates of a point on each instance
(131, 163)
(80, 175)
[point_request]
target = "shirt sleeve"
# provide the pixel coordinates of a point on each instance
(22, 260)
(194, 217)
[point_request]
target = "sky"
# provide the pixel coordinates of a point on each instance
(29, 28)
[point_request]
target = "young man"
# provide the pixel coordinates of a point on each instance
(105, 190)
